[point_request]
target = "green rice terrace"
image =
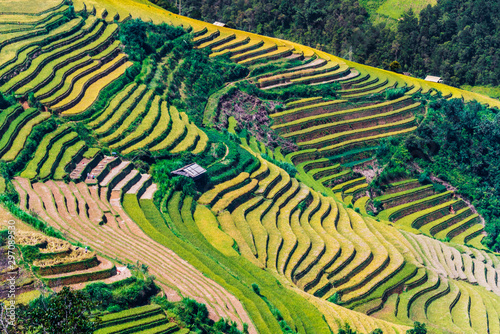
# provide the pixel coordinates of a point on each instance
(296, 224)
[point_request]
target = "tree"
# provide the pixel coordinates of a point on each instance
(419, 328)
(65, 312)
(395, 67)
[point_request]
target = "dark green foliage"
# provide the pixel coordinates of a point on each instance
(439, 188)
(395, 66)
(290, 92)
(30, 253)
(460, 144)
(4, 102)
(347, 330)
(419, 328)
(123, 294)
(463, 141)
(334, 298)
(143, 38)
(4, 234)
(65, 312)
(454, 39)
(328, 25)
(424, 178)
(393, 155)
(395, 93)
(193, 315)
(288, 167)
(199, 77)
(377, 331)
(268, 68)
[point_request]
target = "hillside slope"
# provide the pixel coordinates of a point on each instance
(277, 240)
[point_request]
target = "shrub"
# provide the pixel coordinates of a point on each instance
(439, 188)
(287, 167)
(424, 178)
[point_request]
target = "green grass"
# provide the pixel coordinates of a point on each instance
(55, 154)
(232, 125)
(209, 227)
(158, 319)
(91, 152)
(22, 136)
(66, 159)
(33, 165)
(491, 91)
(393, 9)
(130, 313)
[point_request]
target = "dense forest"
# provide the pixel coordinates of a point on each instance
(456, 39)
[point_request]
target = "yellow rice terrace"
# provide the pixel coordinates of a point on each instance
(161, 174)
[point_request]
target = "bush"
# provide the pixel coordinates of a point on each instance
(288, 167)
(424, 178)
(439, 188)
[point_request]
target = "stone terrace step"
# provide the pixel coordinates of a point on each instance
(140, 184)
(97, 170)
(149, 193)
(115, 171)
(84, 165)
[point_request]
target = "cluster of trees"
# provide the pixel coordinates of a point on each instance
(72, 311)
(455, 39)
(193, 315)
(332, 25)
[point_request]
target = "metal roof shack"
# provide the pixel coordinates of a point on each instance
(193, 171)
(433, 78)
(219, 24)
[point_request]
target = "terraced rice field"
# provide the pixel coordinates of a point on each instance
(324, 248)
(440, 215)
(305, 232)
(93, 214)
(149, 318)
(65, 264)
